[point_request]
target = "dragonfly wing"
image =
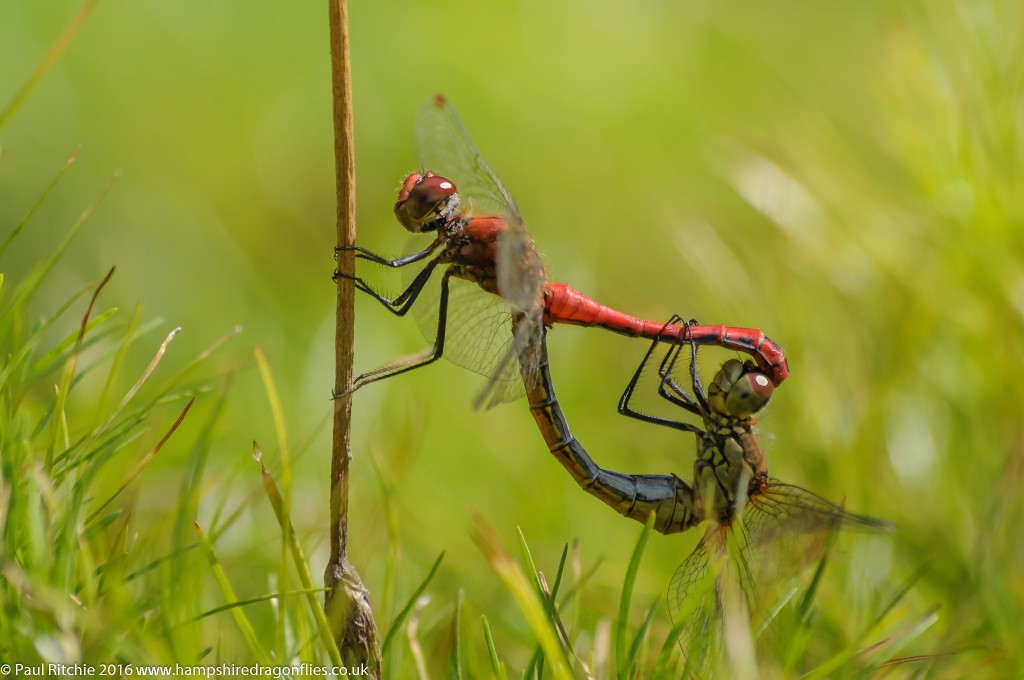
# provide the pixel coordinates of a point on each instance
(716, 572)
(530, 340)
(518, 369)
(447, 149)
(784, 507)
(520, 277)
(478, 329)
(787, 528)
(519, 270)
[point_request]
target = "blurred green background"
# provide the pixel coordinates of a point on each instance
(846, 177)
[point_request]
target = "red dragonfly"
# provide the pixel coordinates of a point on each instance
(492, 274)
(748, 513)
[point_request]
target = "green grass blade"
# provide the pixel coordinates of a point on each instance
(391, 515)
(531, 567)
(830, 666)
(524, 591)
(415, 649)
(804, 608)
(898, 642)
(800, 633)
(39, 202)
(33, 340)
(622, 658)
(668, 648)
(172, 382)
(66, 375)
(237, 613)
(397, 623)
(188, 496)
(891, 647)
(116, 363)
(497, 668)
(61, 44)
(27, 288)
(266, 597)
(457, 637)
(902, 593)
(582, 581)
(285, 489)
(113, 568)
(641, 634)
(141, 465)
(556, 620)
(558, 578)
(301, 565)
(535, 666)
(53, 355)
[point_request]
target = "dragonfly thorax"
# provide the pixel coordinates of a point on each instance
(727, 459)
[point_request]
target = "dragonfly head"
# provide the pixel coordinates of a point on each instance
(739, 390)
(423, 198)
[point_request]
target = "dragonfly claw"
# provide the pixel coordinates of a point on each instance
(335, 395)
(338, 274)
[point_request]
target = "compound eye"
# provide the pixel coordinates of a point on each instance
(421, 199)
(750, 393)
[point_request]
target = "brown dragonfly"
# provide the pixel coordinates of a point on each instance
(746, 510)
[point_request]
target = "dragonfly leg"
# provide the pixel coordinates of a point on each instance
(669, 389)
(698, 387)
(428, 356)
(627, 410)
(369, 255)
(404, 302)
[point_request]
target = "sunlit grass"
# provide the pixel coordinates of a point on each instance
(76, 581)
(85, 574)
(844, 177)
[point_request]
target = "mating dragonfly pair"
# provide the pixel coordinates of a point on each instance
(494, 306)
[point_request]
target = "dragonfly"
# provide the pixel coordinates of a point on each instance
(493, 274)
(745, 509)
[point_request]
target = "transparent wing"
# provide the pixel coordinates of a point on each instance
(695, 597)
(478, 330)
(784, 528)
(446, 149)
(691, 594)
(479, 334)
(518, 369)
(520, 271)
(788, 528)
(780, 508)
